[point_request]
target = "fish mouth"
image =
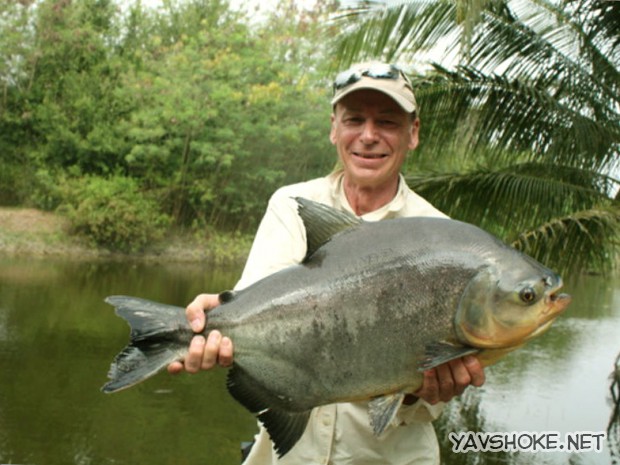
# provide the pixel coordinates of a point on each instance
(554, 304)
(557, 302)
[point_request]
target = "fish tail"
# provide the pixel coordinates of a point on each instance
(160, 335)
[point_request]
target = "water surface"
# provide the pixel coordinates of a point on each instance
(58, 337)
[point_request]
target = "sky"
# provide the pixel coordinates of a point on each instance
(247, 5)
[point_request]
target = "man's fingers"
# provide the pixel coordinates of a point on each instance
(430, 387)
(211, 350)
(460, 376)
(451, 379)
(175, 368)
(225, 357)
(446, 382)
(194, 356)
(195, 315)
(475, 369)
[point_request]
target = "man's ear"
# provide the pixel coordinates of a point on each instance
(332, 132)
(414, 136)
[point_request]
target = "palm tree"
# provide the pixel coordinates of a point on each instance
(520, 114)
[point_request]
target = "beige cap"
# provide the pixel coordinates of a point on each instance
(383, 77)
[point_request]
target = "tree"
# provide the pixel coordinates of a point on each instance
(520, 116)
(15, 37)
(208, 112)
(222, 113)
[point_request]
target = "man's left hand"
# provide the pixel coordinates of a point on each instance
(444, 382)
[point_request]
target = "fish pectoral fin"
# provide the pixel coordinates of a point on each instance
(382, 411)
(438, 353)
(285, 427)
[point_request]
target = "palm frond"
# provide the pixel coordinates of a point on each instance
(375, 30)
(585, 241)
(549, 46)
(513, 115)
(513, 202)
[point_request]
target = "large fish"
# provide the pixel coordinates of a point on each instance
(372, 306)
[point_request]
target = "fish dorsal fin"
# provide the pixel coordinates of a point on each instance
(322, 222)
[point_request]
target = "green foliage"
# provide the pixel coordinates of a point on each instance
(221, 122)
(205, 110)
(113, 213)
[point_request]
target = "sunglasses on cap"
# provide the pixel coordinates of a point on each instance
(375, 71)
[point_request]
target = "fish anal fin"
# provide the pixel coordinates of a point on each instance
(285, 427)
(382, 410)
(441, 352)
(322, 222)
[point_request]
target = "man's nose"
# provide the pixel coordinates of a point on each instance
(369, 133)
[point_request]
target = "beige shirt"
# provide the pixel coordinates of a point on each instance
(338, 434)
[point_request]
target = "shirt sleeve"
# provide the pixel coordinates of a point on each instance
(280, 241)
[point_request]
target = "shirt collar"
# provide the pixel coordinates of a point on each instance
(389, 210)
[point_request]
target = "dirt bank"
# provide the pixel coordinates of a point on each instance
(31, 232)
(26, 231)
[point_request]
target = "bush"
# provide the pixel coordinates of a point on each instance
(113, 213)
(9, 190)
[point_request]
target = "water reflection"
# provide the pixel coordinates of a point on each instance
(57, 339)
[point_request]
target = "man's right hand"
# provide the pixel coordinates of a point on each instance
(203, 353)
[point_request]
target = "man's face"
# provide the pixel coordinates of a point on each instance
(372, 135)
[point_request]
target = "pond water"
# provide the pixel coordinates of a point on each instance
(58, 337)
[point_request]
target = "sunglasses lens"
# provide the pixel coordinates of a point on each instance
(346, 78)
(378, 71)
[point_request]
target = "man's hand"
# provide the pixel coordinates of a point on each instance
(444, 382)
(203, 353)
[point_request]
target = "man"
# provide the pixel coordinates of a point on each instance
(373, 126)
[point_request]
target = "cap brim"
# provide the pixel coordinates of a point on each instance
(405, 104)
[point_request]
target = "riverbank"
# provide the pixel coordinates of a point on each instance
(32, 232)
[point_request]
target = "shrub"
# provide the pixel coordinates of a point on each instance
(113, 213)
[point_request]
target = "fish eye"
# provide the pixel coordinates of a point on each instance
(527, 295)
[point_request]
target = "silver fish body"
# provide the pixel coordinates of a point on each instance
(371, 307)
